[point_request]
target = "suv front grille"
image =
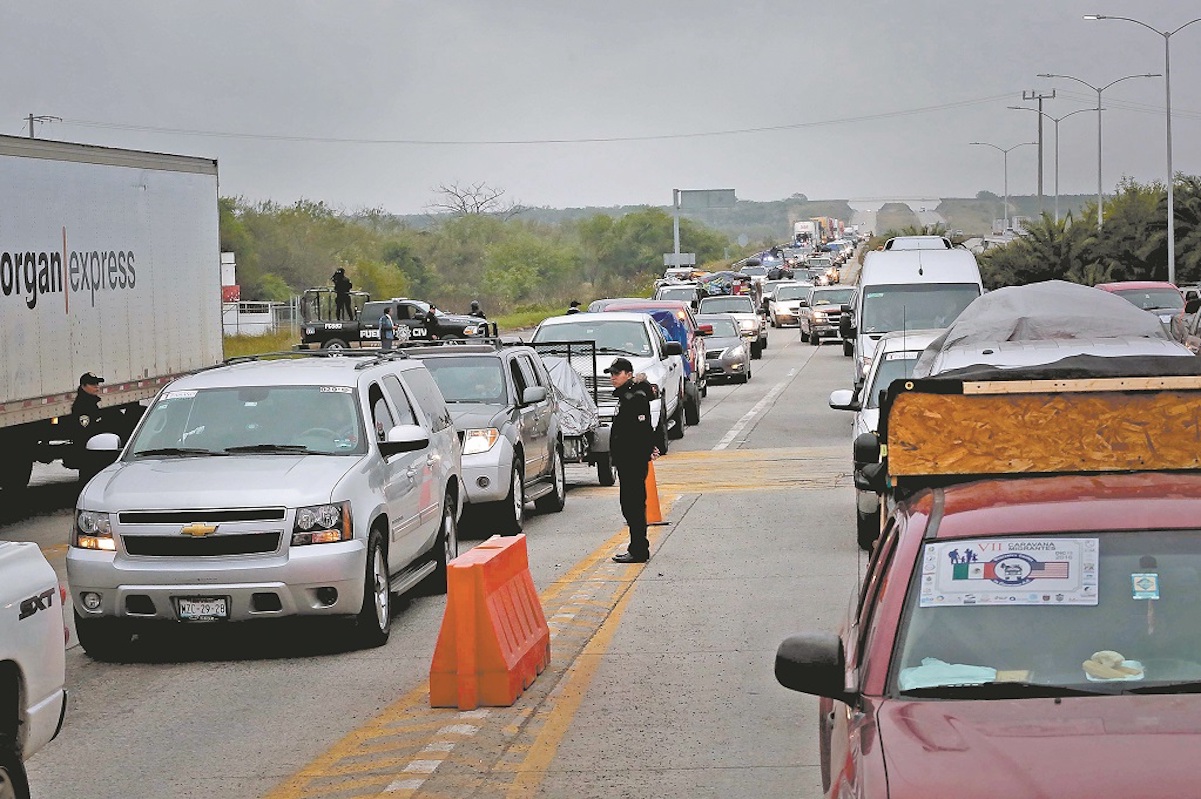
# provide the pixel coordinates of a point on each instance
(184, 546)
(182, 517)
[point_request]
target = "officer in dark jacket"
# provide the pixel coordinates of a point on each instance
(85, 410)
(631, 448)
(342, 286)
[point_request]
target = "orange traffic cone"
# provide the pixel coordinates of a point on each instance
(654, 514)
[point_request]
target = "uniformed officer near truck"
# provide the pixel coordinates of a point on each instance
(631, 448)
(85, 410)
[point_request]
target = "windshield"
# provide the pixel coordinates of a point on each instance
(464, 379)
(914, 306)
(895, 366)
(1113, 609)
(616, 337)
(791, 292)
(682, 293)
(835, 297)
(723, 327)
(321, 420)
(754, 271)
(820, 263)
(1148, 299)
(727, 305)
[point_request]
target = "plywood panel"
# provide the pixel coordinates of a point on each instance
(954, 434)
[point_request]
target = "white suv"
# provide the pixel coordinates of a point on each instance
(305, 486)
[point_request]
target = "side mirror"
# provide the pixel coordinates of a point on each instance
(673, 348)
(804, 303)
(104, 442)
(814, 663)
(866, 447)
(704, 330)
(533, 394)
(1192, 306)
(843, 400)
(404, 438)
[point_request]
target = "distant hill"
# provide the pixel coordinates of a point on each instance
(771, 221)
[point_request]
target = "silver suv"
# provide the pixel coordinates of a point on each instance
(304, 486)
(503, 404)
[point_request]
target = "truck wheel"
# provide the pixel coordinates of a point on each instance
(692, 407)
(705, 385)
(334, 345)
(13, 782)
(676, 430)
(804, 335)
(555, 500)
(867, 529)
(756, 351)
(446, 548)
(661, 430)
(848, 349)
(604, 469)
(763, 344)
(815, 339)
(374, 622)
(510, 514)
(15, 470)
(105, 640)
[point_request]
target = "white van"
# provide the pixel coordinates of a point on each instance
(907, 288)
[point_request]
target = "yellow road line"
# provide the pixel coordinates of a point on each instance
(331, 762)
(571, 694)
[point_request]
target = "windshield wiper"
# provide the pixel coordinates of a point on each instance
(271, 448)
(1000, 690)
(618, 350)
(176, 451)
(1191, 687)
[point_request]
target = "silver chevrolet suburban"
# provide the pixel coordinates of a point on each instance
(303, 486)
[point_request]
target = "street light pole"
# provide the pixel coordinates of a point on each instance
(1167, 85)
(1099, 90)
(1005, 152)
(1056, 120)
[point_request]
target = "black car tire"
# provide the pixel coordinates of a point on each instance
(756, 351)
(848, 349)
(334, 344)
(676, 430)
(692, 406)
(446, 547)
(104, 640)
(373, 623)
(661, 430)
(867, 529)
(815, 339)
(556, 499)
(13, 780)
(604, 469)
(804, 335)
(510, 511)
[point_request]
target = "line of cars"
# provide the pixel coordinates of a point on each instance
(1032, 595)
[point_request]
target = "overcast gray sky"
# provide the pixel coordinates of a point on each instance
(901, 88)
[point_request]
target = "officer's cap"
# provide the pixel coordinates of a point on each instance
(89, 379)
(620, 365)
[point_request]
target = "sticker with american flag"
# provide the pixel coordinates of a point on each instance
(1011, 571)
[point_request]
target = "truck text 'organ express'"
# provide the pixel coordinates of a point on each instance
(32, 274)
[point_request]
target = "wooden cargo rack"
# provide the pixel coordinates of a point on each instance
(948, 428)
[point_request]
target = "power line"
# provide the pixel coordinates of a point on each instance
(584, 140)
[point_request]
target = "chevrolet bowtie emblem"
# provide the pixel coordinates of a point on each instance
(199, 529)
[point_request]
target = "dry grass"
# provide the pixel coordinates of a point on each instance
(279, 341)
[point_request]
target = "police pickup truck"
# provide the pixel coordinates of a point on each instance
(32, 661)
(410, 319)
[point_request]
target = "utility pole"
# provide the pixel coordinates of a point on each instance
(40, 118)
(1034, 94)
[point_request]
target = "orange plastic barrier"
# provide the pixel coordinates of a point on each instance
(654, 514)
(494, 639)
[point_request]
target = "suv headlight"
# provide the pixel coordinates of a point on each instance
(322, 524)
(480, 440)
(93, 530)
(470, 330)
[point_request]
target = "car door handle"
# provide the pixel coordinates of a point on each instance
(431, 459)
(412, 473)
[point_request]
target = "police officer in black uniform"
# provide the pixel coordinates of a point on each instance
(574, 307)
(85, 410)
(342, 286)
(631, 448)
(476, 311)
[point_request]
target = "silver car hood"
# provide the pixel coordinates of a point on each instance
(233, 481)
(469, 416)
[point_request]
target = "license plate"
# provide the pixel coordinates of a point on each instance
(203, 609)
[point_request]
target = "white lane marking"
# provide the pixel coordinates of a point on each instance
(767, 400)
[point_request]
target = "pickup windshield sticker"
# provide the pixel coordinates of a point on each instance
(1010, 571)
(170, 395)
(337, 390)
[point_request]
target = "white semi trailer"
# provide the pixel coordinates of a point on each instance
(110, 264)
